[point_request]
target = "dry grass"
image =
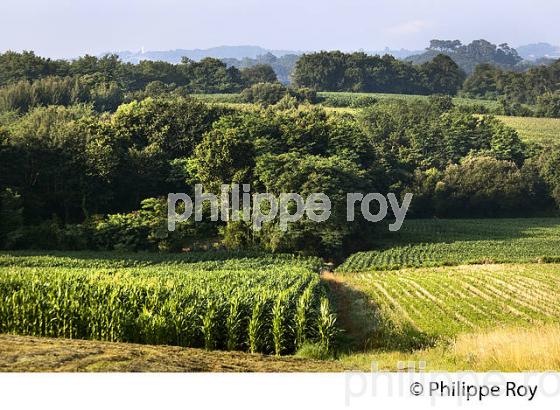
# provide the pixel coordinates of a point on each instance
(34, 354)
(514, 349)
(505, 349)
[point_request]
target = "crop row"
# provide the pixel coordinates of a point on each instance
(213, 260)
(272, 310)
(455, 253)
(419, 305)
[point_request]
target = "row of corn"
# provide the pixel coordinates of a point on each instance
(272, 311)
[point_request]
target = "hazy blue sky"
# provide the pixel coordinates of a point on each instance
(63, 28)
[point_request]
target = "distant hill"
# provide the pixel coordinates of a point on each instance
(538, 50)
(399, 54)
(222, 52)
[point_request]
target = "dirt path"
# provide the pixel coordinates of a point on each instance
(355, 315)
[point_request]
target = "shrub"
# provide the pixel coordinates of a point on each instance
(548, 105)
(264, 94)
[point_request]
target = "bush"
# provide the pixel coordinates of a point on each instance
(483, 186)
(548, 105)
(50, 235)
(264, 94)
(304, 94)
(145, 230)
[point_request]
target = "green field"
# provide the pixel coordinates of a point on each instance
(348, 98)
(218, 98)
(440, 242)
(420, 306)
(531, 129)
(271, 304)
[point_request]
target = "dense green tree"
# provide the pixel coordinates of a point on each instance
(260, 73)
(264, 94)
(359, 72)
(225, 155)
(443, 75)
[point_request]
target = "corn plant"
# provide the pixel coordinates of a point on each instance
(326, 325)
(279, 326)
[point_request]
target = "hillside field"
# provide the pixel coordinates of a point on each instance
(541, 130)
(441, 242)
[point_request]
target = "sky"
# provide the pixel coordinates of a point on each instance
(69, 28)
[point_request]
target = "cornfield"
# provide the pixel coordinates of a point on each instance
(428, 243)
(266, 305)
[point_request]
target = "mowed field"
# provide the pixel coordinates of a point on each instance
(461, 295)
(424, 305)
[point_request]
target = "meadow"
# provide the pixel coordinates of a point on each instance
(269, 305)
(531, 129)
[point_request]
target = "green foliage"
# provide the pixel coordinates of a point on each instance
(264, 94)
(469, 56)
(549, 167)
(531, 86)
(443, 75)
(11, 218)
(358, 72)
(326, 326)
(548, 104)
(483, 186)
(260, 73)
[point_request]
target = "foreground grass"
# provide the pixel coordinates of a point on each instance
(446, 242)
(32, 354)
(502, 349)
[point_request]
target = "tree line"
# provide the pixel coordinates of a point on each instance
(359, 72)
(28, 80)
(538, 85)
(73, 178)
